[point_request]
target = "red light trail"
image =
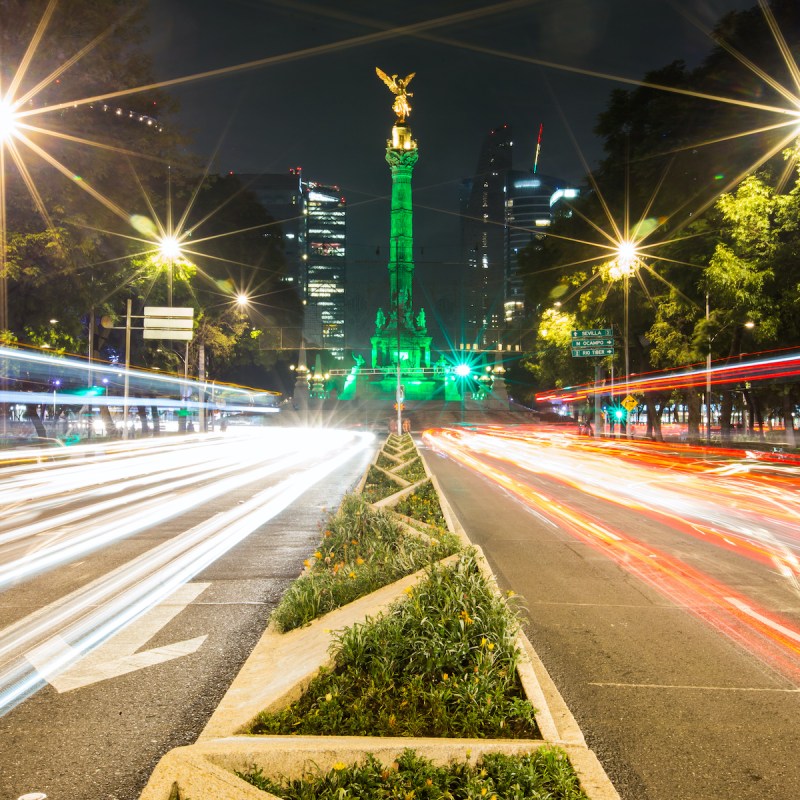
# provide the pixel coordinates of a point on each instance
(749, 508)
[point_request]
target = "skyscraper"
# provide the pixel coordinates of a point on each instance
(313, 220)
(503, 212)
(325, 270)
(483, 237)
(529, 212)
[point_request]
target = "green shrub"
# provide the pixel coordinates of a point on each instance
(545, 774)
(378, 485)
(413, 471)
(422, 504)
(361, 550)
(385, 463)
(442, 663)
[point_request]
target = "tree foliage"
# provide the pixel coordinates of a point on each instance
(706, 205)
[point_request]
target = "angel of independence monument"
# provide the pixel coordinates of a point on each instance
(401, 336)
(401, 366)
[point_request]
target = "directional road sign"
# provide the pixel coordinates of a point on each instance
(592, 334)
(609, 342)
(584, 352)
(168, 323)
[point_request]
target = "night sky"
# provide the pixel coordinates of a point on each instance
(330, 114)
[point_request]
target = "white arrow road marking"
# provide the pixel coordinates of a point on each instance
(117, 656)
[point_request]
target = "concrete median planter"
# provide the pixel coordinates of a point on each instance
(281, 667)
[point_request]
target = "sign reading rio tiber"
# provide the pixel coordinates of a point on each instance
(596, 342)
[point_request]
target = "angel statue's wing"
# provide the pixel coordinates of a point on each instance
(408, 79)
(386, 79)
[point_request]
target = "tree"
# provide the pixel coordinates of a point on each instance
(60, 256)
(668, 156)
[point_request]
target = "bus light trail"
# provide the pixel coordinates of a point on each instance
(770, 637)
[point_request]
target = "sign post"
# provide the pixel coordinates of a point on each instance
(594, 343)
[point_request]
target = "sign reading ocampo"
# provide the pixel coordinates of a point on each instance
(593, 343)
(168, 323)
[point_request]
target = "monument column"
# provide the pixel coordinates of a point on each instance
(401, 155)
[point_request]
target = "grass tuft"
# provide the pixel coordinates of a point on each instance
(422, 504)
(361, 550)
(378, 485)
(442, 663)
(545, 774)
(413, 471)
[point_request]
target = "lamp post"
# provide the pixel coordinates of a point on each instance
(626, 264)
(169, 249)
(8, 127)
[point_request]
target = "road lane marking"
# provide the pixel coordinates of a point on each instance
(794, 690)
(770, 623)
(117, 656)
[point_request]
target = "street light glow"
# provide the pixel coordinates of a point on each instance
(242, 299)
(8, 120)
(169, 248)
(462, 370)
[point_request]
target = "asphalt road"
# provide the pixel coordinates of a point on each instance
(202, 537)
(661, 592)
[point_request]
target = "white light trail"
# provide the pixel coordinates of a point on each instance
(93, 613)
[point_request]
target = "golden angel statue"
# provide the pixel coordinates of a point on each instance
(399, 87)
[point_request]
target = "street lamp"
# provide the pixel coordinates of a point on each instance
(624, 266)
(169, 249)
(8, 127)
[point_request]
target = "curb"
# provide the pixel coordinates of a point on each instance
(282, 665)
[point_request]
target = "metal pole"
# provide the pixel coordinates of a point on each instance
(399, 392)
(127, 369)
(201, 385)
(185, 391)
(708, 379)
(597, 400)
(628, 431)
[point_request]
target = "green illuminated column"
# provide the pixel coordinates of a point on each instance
(401, 155)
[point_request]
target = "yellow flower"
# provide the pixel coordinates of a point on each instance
(339, 766)
(483, 791)
(490, 645)
(408, 590)
(351, 575)
(354, 541)
(510, 593)
(318, 554)
(328, 697)
(359, 560)
(327, 534)
(445, 676)
(428, 782)
(306, 563)
(483, 641)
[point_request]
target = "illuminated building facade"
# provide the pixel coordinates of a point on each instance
(325, 267)
(529, 212)
(483, 237)
(313, 221)
(503, 211)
